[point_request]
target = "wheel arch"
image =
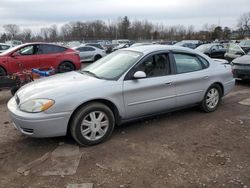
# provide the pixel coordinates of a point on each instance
(220, 85)
(106, 102)
(4, 68)
(65, 60)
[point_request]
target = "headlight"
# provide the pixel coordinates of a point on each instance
(36, 105)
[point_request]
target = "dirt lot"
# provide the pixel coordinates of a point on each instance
(187, 148)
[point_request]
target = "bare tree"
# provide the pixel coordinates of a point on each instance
(45, 31)
(244, 24)
(12, 30)
(26, 35)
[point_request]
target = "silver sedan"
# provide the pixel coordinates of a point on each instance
(128, 84)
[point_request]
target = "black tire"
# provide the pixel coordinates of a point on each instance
(66, 66)
(2, 72)
(207, 107)
(97, 57)
(13, 90)
(82, 114)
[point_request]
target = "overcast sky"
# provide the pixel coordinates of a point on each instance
(41, 13)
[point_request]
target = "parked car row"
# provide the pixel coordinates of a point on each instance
(38, 55)
(212, 50)
(63, 59)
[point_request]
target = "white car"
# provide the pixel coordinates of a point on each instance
(4, 47)
(89, 53)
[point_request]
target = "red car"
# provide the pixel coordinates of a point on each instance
(39, 55)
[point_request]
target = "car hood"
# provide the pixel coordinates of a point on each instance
(58, 86)
(245, 59)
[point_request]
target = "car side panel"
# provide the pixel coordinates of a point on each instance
(87, 56)
(148, 95)
(190, 87)
(18, 63)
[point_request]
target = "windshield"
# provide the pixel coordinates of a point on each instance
(112, 66)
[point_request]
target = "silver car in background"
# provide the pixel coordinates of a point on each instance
(90, 53)
(127, 84)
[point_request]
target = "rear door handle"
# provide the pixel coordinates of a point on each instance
(168, 83)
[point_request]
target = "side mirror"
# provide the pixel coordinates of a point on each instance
(139, 74)
(15, 54)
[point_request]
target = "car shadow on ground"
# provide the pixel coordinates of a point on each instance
(126, 128)
(243, 82)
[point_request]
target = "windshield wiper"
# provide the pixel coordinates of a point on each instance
(90, 73)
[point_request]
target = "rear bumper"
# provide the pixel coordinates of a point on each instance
(38, 124)
(228, 86)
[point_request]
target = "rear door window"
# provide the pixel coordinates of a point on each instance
(85, 49)
(187, 63)
(49, 49)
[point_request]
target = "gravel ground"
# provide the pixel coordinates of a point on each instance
(187, 148)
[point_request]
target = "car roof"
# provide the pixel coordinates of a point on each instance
(5, 44)
(152, 48)
(33, 43)
(84, 45)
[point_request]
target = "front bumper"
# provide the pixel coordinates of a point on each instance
(38, 124)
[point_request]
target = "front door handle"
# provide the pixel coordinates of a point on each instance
(205, 77)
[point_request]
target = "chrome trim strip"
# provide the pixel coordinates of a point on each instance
(151, 100)
(162, 98)
(229, 82)
(189, 93)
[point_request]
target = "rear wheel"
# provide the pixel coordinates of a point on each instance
(92, 124)
(2, 72)
(66, 67)
(212, 98)
(97, 57)
(13, 90)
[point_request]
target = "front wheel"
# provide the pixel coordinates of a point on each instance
(2, 72)
(92, 124)
(66, 67)
(212, 98)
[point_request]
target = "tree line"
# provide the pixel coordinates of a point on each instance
(123, 28)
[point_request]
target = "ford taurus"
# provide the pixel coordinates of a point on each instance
(128, 84)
